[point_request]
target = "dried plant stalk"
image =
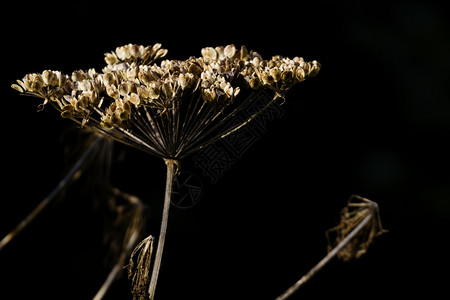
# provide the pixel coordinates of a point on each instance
(359, 225)
(131, 237)
(72, 175)
(143, 286)
(172, 167)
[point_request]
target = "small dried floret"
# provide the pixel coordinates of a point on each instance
(33, 82)
(229, 51)
(135, 53)
(111, 58)
(50, 78)
(314, 68)
(209, 52)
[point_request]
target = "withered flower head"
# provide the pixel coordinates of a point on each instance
(358, 212)
(172, 108)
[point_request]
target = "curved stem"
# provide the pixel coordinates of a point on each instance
(171, 164)
(71, 175)
(131, 238)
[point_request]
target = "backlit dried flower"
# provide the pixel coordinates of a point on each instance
(171, 109)
(357, 211)
(136, 101)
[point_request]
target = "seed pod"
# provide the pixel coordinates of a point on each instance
(167, 89)
(143, 92)
(219, 50)
(209, 52)
(106, 122)
(228, 89)
(314, 68)
(254, 83)
(62, 79)
(195, 69)
(156, 47)
(208, 94)
(78, 75)
(136, 50)
(267, 78)
(36, 86)
(230, 51)
(300, 74)
(154, 90)
(134, 98)
(123, 52)
(275, 73)
(93, 98)
(145, 77)
(67, 111)
(33, 82)
(109, 78)
(161, 53)
(123, 115)
(111, 58)
(183, 81)
(243, 53)
(124, 88)
(112, 91)
(50, 78)
(287, 75)
(18, 87)
(131, 73)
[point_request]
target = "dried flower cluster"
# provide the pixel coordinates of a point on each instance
(168, 107)
(357, 210)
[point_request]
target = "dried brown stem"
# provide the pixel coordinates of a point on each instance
(131, 237)
(171, 171)
(352, 240)
(73, 174)
(324, 261)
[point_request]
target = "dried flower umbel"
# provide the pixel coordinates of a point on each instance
(360, 224)
(170, 109)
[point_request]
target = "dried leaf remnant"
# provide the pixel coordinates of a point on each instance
(357, 210)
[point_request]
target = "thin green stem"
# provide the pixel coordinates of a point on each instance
(171, 165)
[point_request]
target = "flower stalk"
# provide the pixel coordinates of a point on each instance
(172, 167)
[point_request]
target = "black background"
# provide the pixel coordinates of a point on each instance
(374, 122)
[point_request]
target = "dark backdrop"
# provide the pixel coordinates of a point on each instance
(374, 122)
